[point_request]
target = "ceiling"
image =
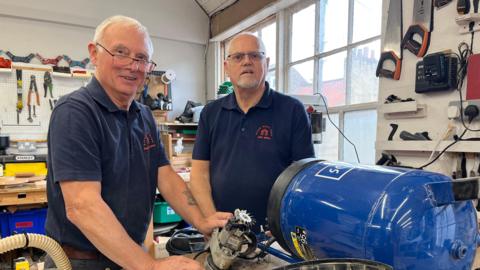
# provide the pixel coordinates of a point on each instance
(212, 6)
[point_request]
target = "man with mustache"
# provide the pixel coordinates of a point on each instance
(246, 139)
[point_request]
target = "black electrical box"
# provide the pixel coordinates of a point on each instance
(436, 72)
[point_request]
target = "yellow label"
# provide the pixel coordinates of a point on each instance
(296, 245)
(22, 265)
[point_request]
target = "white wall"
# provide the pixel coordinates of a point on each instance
(444, 36)
(179, 30)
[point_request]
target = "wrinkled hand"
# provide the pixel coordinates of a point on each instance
(208, 224)
(177, 263)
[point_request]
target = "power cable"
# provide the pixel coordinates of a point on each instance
(345, 137)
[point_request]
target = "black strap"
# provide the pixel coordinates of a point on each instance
(27, 240)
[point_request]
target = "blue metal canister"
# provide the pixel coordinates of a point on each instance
(408, 219)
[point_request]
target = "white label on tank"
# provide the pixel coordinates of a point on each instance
(334, 172)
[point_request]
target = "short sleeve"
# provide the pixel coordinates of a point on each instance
(201, 149)
(73, 141)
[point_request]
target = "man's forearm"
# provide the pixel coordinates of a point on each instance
(176, 192)
(200, 187)
(98, 223)
(203, 195)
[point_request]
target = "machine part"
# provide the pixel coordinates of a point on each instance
(42, 242)
(421, 26)
(436, 72)
(392, 50)
(333, 264)
(234, 240)
(409, 219)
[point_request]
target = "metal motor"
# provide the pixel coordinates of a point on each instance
(234, 240)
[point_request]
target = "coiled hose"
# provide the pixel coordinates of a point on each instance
(39, 241)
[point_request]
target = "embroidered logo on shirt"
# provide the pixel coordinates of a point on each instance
(264, 132)
(148, 142)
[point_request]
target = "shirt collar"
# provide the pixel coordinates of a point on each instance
(98, 93)
(230, 101)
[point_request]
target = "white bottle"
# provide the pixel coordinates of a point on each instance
(178, 146)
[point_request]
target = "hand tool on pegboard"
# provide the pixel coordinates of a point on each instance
(392, 44)
(33, 88)
(422, 26)
(47, 84)
(19, 94)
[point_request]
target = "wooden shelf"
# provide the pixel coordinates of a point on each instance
(179, 124)
(184, 139)
(427, 146)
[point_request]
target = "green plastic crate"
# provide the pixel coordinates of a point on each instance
(189, 131)
(163, 213)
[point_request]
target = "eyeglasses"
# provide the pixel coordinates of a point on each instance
(125, 60)
(254, 56)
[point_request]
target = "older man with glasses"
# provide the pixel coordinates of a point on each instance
(105, 161)
(246, 139)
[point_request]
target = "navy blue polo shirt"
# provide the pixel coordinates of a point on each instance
(247, 152)
(90, 139)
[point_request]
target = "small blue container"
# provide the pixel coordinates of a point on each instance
(30, 221)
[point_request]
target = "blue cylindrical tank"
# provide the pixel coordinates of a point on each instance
(408, 219)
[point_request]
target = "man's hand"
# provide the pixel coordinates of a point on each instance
(208, 224)
(177, 263)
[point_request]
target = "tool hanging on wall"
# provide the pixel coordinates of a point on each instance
(19, 94)
(31, 89)
(441, 3)
(392, 50)
(463, 7)
(47, 84)
(422, 26)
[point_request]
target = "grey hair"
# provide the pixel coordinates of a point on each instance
(261, 45)
(100, 30)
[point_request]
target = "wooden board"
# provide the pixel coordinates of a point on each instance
(27, 194)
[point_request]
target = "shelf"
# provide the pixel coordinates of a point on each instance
(409, 109)
(184, 139)
(61, 74)
(5, 70)
(179, 124)
(427, 146)
(28, 66)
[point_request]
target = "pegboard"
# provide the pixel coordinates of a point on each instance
(37, 128)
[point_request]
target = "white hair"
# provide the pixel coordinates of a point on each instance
(128, 21)
(261, 45)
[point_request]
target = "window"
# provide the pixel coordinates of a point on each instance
(330, 47)
(337, 57)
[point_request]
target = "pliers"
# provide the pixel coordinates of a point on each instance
(31, 89)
